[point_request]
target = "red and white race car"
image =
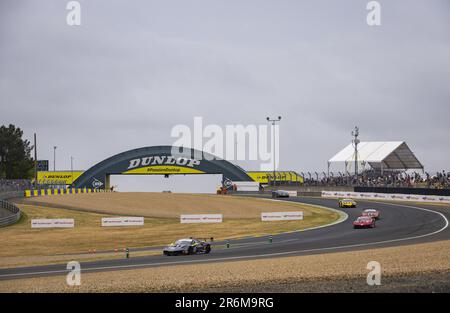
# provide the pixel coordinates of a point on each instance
(371, 213)
(364, 222)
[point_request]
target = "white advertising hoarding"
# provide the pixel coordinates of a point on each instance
(385, 196)
(281, 216)
(53, 223)
(200, 218)
(122, 221)
(246, 186)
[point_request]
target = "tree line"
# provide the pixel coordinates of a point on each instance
(16, 161)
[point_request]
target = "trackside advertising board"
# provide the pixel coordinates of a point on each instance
(385, 196)
(281, 216)
(122, 221)
(246, 186)
(53, 223)
(200, 218)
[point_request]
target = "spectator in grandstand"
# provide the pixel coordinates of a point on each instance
(375, 179)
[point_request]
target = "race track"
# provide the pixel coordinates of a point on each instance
(400, 224)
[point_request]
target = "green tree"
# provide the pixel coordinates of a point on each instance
(15, 154)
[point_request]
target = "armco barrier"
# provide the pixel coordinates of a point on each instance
(10, 219)
(385, 196)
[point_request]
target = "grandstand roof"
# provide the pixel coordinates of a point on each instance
(385, 154)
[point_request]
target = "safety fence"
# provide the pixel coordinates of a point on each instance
(48, 192)
(11, 218)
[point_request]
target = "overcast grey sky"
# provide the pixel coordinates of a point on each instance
(134, 69)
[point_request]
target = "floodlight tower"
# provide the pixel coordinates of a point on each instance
(71, 170)
(273, 121)
(355, 141)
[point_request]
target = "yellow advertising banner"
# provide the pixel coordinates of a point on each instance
(265, 177)
(260, 177)
(164, 170)
(58, 178)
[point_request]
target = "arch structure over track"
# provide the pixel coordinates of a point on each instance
(159, 160)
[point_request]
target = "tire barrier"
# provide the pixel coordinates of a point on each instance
(13, 217)
(47, 192)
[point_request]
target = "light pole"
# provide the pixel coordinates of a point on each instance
(71, 170)
(355, 134)
(273, 121)
(35, 163)
(54, 158)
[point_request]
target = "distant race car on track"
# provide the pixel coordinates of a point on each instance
(371, 213)
(187, 246)
(364, 222)
(347, 203)
(280, 194)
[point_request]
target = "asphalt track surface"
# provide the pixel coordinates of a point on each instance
(400, 224)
